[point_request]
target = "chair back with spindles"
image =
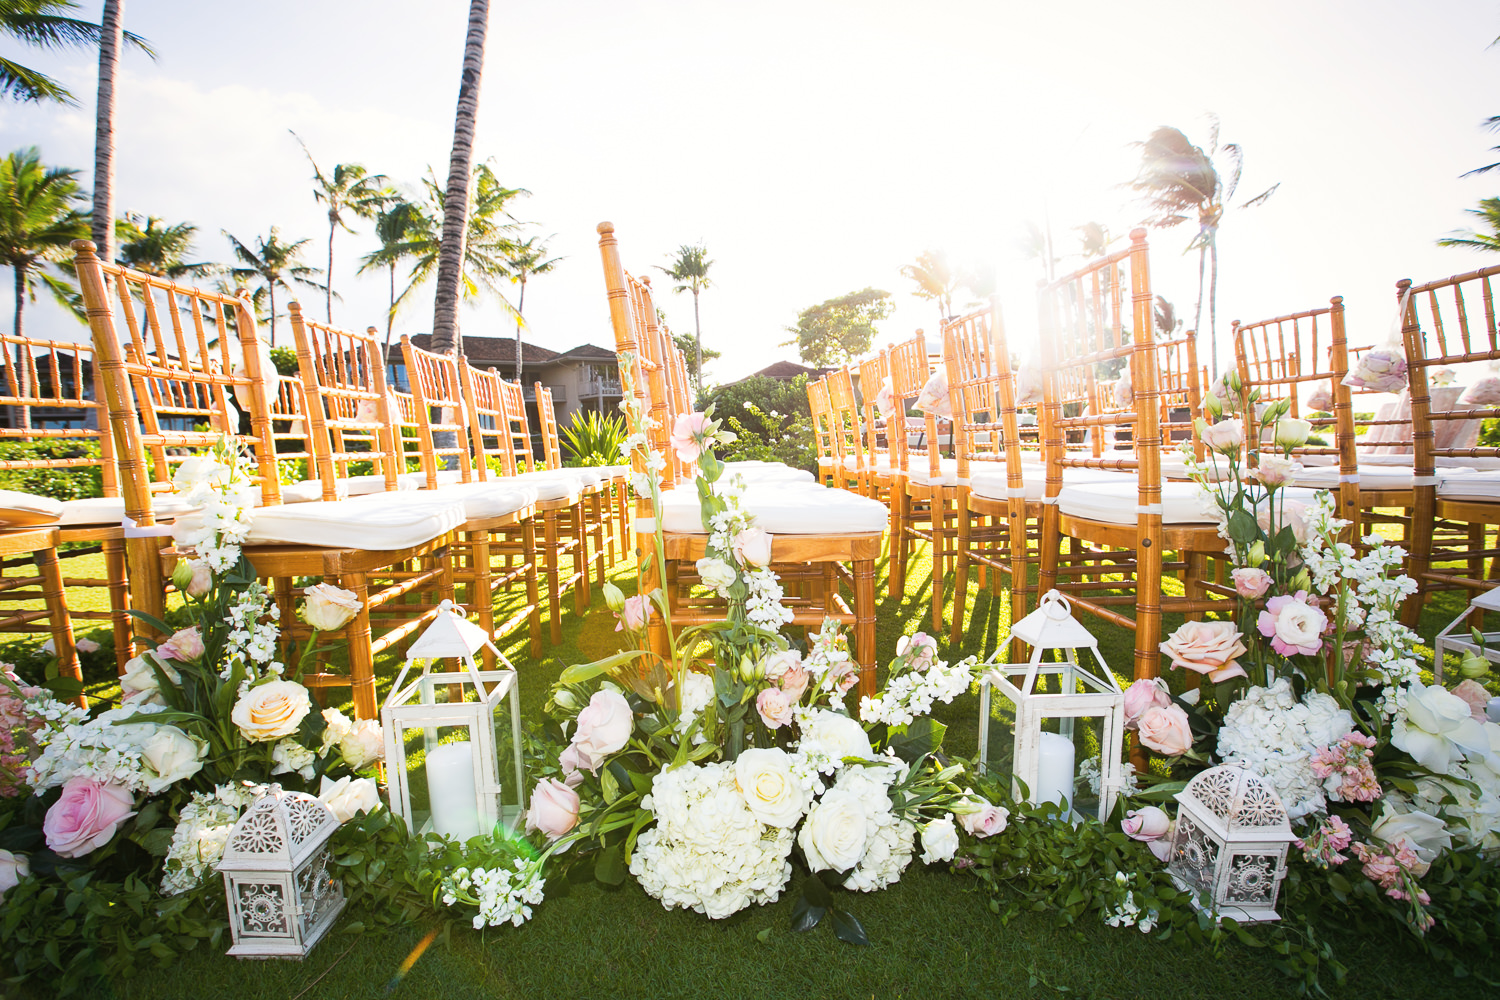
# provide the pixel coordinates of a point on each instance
(348, 404)
(910, 369)
(546, 416)
(290, 434)
(981, 391)
(491, 435)
(825, 439)
(1181, 389)
(51, 389)
(873, 375)
(438, 404)
(844, 411)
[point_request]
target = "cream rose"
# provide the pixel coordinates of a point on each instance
(1206, 648)
(764, 777)
(349, 797)
(604, 725)
(173, 755)
(1438, 730)
(1426, 834)
(774, 707)
(554, 809)
(715, 573)
(752, 547)
(329, 608)
(841, 736)
(939, 840)
(835, 833)
(271, 711)
(363, 743)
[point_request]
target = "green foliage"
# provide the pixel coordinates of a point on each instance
(285, 360)
(839, 329)
(59, 484)
(770, 419)
(593, 438)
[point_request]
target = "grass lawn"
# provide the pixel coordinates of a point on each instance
(933, 935)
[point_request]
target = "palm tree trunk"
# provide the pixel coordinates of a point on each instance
(697, 344)
(445, 335)
(23, 378)
(390, 312)
(1198, 313)
(520, 307)
(271, 286)
(328, 291)
(1213, 312)
(111, 37)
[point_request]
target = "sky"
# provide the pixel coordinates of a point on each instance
(814, 147)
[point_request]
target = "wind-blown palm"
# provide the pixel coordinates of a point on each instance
(690, 270)
(349, 189)
(396, 227)
(276, 263)
(44, 24)
(935, 280)
(1177, 180)
(528, 258)
(38, 219)
(1489, 211)
(149, 245)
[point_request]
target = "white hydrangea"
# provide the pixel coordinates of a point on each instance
(707, 851)
(830, 836)
(98, 749)
(202, 831)
(1273, 734)
(503, 895)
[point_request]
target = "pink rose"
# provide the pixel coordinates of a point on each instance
(636, 613)
(1226, 436)
(1166, 730)
(1207, 648)
(987, 821)
(86, 816)
(752, 547)
(603, 726)
(185, 644)
(1147, 823)
(794, 681)
(1145, 693)
(1478, 698)
(774, 707)
(554, 809)
(1250, 584)
(1292, 514)
(687, 435)
(1293, 624)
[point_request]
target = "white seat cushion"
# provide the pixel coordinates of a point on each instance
(358, 486)
(784, 509)
(1468, 484)
(551, 484)
(610, 471)
(111, 510)
(1371, 477)
(774, 474)
(1182, 503)
(20, 510)
(391, 521)
(418, 480)
(920, 472)
(490, 499)
(990, 481)
(1482, 463)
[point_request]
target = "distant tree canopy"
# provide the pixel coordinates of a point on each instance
(836, 331)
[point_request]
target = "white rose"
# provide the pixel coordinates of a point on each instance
(290, 756)
(715, 573)
(841, 736)
(1426, 834)
(139, 685)
(173, 755)
(764, 777)
(13, 868)
(271, 711)
(697, 692)
(197, 469)
(362, 744)
(337, 726)
(349, 796)
(939, 840)
(329, 608)
(835, 833)
(1438, 730)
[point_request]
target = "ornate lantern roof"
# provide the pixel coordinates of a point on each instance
(1236, 804)
(278, 832)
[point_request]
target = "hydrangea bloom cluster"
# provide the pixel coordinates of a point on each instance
(503, 895)
(1348, 768)
(140, 756)
(708, 852)
(1273, 734)
(202, 831)
(917, 679)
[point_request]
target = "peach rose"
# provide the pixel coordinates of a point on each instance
(774, 707)
(1166, 730)
(1250, 583)
(270, 711)
(1208, 648)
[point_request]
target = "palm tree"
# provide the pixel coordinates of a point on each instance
(690, 270)
(396, 227)
(528, 258)
(453, 256)
(38, 219)
(1177, 178)
(42, 23)
(935, 280)
(275, 263)
(1489, 211)
(149, 245)
(350, 188)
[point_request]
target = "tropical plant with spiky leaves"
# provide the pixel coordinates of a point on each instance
(149, 245)
(1489, 211)
(935, 280)
(45, 25)
(689, 268)
(349, 190)
(277, 263)
(528, 258)
(398, 224)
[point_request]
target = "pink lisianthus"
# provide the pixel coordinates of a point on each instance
(635, 614)
(1250, 583)
(1476, 696)
(1274, 471)
(1143, 694)
(752, 547)
(1207, 648)
(1293, 624)
(1225, 437)
(687, 435)
(1166, 730)
(1292, 514)
(185, 645)
(774, 707)
(986, 821)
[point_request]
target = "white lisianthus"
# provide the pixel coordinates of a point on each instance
(348, 797)
(716, 573)
(139, 684)
(939, 840)
(765, 778)
(1427, 834)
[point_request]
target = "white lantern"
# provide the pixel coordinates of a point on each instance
(282, 899)
(1044, 761)
(459, 794)
(1231, 842)
(1449, 641)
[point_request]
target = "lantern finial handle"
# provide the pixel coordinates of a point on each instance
(1055, 606)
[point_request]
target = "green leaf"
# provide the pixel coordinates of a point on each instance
(922, 736)
(1242, 527)
(816, 893)
(611, 786)
(580, 672)
(805, 916)
(610, 868)
(763, 936)
(849, 929)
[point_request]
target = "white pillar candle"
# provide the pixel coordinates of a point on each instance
(450, 790)
(1054, 771)
(1492, 710)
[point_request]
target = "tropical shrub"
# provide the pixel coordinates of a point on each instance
(593, 438)
(770, 419)
(59, 484)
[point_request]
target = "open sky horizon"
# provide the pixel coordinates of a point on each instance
(814, 148)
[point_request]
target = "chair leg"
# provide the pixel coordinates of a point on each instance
(937, 509)
(864, 624)
(582, 590)
(59, 622)
(119, 600)
(528, 553)
(480, 587)
(900, 516)
(961, 571)
(1148, 601)
(361, 660)
(554, 592)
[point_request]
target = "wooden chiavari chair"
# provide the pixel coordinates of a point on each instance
(593, 524)
(38, 545)
(844, 410)
(873, 375)
(1097, 315)
(168, 378)
(825, 437)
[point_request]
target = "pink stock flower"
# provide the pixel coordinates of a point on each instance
(1249, 583)
(1293, 624)
(86, 816)
(1348, 769)
(1323, 845)
(920, 651)
(1143, 694)
(774, 708)
(841, 677)
(687, 435)
(636, 613)
(1207, 648)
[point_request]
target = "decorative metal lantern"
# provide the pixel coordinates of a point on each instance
(1044, 760)
(282, 899)
(1231, 842)
(1449, 641)
(458, 713)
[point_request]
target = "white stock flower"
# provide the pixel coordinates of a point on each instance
(291, 756)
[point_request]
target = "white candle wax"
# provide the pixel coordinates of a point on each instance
(1492, 710)
(450, 790)
(1054, 770)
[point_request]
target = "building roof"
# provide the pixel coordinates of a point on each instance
(485, 351)
(785, 371)
(586, 352)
